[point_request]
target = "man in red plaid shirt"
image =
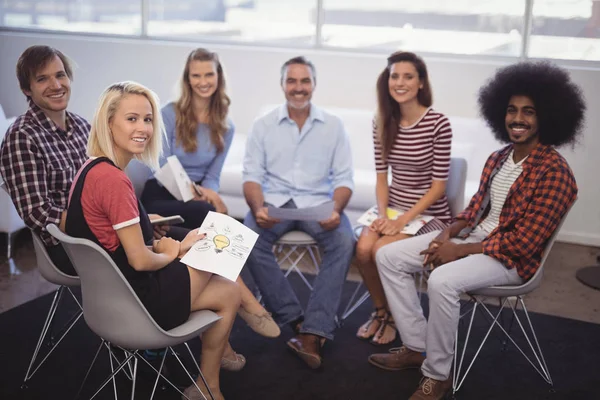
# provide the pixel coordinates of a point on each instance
(525, 190)
(45, 147)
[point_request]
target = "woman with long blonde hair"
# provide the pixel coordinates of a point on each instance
(103, 208)
(199, 133)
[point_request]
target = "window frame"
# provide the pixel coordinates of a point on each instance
(318, 43)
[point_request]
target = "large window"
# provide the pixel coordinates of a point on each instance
(95, 16)
(438, 26)
(560, 29)
(274, 22)
(566, 29)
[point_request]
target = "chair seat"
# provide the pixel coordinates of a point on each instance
(189, 329)
(510, 290)
(297, 238)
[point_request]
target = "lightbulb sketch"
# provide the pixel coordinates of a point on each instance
(221, 242)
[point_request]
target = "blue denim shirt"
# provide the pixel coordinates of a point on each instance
(303, 165)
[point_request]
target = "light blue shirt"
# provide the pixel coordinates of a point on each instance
(204, 164)
(306, 166)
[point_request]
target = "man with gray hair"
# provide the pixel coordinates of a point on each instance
(298, 156)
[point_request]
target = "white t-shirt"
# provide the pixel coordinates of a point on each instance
(501, 184)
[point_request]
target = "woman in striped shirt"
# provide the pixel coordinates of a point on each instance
(414, 141)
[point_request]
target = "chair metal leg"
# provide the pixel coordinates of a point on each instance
(192, 379)
(162, 363)
(159, 372)
(47, 328)
(9, 245)
(312, 254)
(539, 355)
(112, 370)
(47, 323)
(102, 342)
(115, 372)
(192, 356)
(541, 367)
(299, 254)
(351, 307)
(135, 363)
(457, 381)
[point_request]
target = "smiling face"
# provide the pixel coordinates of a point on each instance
(521, 121)
(50, 87)
(404, 82)
(131, 126)
(298, 85)
(203, 77)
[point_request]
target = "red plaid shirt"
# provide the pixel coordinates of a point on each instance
(38, 162)
(534, 207)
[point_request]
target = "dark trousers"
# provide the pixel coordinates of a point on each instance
(157, 200)
(59, 257)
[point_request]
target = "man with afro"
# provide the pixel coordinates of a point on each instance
(525, 190)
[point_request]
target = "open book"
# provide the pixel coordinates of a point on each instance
(409, 229)
(225, 248)
(174, 178)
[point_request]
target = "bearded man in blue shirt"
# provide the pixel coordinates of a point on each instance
(299, 156)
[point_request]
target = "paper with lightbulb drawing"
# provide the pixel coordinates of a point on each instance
(174, 178)
(225, 248)
(409, 229)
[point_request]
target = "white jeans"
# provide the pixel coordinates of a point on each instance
(398, 261)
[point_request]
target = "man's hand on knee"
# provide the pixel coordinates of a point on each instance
(331, 222)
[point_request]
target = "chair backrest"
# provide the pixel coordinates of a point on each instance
(535, 281)
(47, 268)
(110, 306)
(455, 187)
(138, 174)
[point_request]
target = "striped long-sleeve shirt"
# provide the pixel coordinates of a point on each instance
(420, 154)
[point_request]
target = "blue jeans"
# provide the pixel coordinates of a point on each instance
(337, 248)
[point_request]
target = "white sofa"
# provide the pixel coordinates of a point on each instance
(472, 141)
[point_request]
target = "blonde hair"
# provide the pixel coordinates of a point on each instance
(186, 122)
(101, 141)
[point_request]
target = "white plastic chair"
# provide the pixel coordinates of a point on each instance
(292, 247)
(52, 274)
(504, 295)
(455, 192)
(113, 311)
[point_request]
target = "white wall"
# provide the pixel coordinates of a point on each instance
(343, 80)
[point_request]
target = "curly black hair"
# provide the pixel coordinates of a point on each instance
(559, 102)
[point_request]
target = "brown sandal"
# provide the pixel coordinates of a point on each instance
(385, 321)
(375, 317)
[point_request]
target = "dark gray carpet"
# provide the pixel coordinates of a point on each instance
(571, 347)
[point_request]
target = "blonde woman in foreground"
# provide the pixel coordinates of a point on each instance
(103, 208)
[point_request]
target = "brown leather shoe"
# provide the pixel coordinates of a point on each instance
(431, 389)
(308, 348)
(397, 359)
